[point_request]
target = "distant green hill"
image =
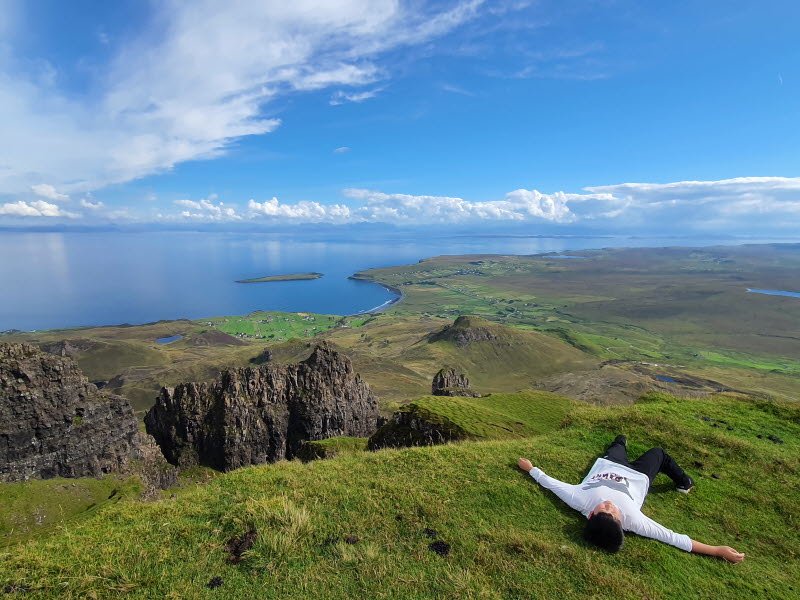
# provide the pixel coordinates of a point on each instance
(495, 356)
(361, 526)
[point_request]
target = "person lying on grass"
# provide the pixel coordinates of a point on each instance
(613, 492)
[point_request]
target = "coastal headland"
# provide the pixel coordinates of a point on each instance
(670, 318)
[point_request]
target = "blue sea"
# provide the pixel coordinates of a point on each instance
(55, 280)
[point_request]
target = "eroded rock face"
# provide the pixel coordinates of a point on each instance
(262, 414)
(414, 426)
(54, 423)
(452, 382)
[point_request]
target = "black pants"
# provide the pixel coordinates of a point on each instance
(651, 463)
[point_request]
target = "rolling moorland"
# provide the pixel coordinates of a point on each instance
(664, 345)
(605, 328)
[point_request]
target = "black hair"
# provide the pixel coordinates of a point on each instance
(605, 531)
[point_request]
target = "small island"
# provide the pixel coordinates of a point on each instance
(292, 277)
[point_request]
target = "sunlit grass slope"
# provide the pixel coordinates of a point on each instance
(508, 538)
(497, 416)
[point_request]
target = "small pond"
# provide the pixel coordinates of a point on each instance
(776, 293)
(167, 340)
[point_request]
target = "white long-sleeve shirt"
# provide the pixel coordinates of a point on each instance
(621, 485)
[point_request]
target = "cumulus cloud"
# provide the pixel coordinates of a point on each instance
(311, 212)
(341, 150)
(773, 200)
(207, 209)
(373, 206)
(38, 208)
(87, 203)
(200, 76)
(48, 191)
(686, 205)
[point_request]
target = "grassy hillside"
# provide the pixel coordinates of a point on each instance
(511, 359)
(507, 537)
(684, 307)
(497, 416)
(676, 312)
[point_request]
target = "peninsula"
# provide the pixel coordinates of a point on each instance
(291, 277)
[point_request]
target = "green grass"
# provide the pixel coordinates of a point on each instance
(497, 416)
(278, 325)
(291, 277)
(509, 538)
(334, 446)
(37, 507)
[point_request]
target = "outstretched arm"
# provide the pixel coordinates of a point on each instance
(725, 552)
(563, 490)
(525, 465)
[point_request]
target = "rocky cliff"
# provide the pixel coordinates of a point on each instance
(262, 414)
(54, 423)
(452, 382)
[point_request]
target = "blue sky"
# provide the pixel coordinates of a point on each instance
(610, 115)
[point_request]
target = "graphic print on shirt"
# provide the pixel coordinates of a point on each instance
(610, 480)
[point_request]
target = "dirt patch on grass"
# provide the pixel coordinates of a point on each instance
(441, 548)
(239, 545)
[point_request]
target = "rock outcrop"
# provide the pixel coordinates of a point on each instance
(452, 382)
(70, 348)
(413, 425)
(262, 414)
(54, 423)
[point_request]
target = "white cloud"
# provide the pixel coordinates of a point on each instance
(341, 97)
(48, 191)
(19, 209)
(688, 205)
(37, 208)
(729, 202)
(341, 150)
(200, 77)
(86, 203)
(454, 89)
(305, 211)
(373, 206)
(206, 210)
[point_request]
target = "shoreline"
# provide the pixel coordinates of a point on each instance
(385, 305)
(14, 331)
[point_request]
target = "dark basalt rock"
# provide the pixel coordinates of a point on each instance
(54, 423)
(415, 426)
(70, 348)
(262, 358)
(452, 382)
(262, 414)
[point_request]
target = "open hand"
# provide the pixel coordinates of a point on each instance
(730, 554)
(524, 464)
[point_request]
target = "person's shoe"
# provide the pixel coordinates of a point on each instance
(621, 439)
(686, 486)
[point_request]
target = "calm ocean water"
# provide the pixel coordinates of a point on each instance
(53, 280)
